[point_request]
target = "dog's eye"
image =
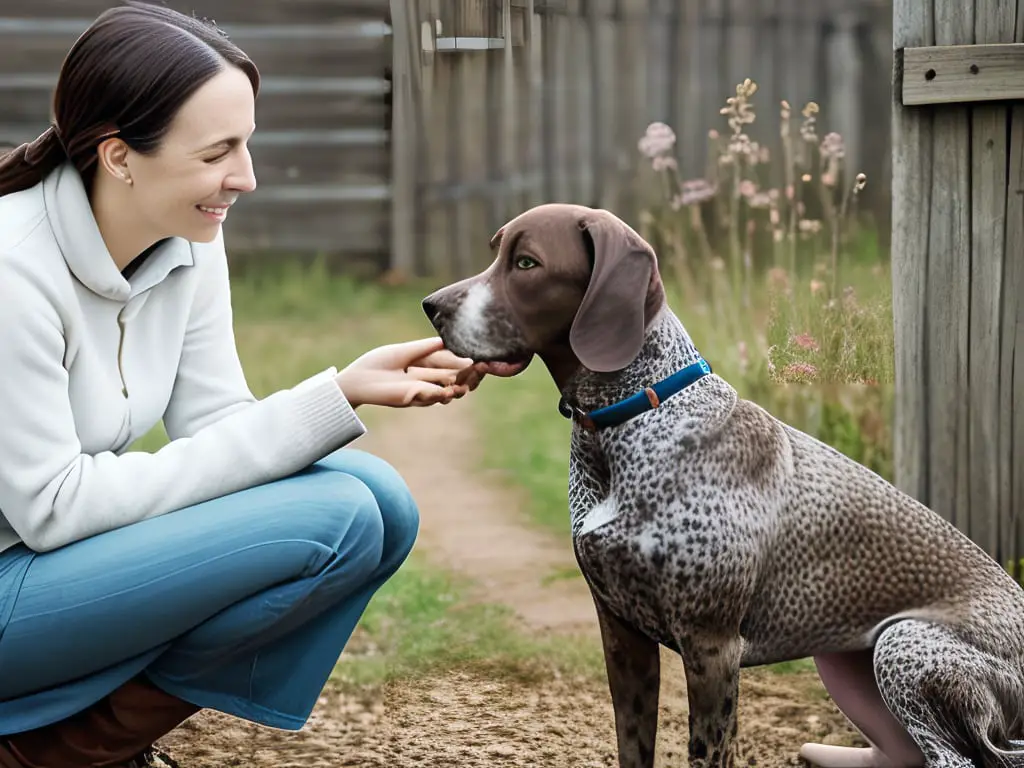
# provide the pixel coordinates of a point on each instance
(526, 262)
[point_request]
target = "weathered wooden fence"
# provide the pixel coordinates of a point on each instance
(958, 263)
(501, 104)
(322, 148)
(403, 132)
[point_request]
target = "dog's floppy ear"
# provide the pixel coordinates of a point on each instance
(608, 330)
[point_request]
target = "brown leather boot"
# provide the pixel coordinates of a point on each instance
(112, 732)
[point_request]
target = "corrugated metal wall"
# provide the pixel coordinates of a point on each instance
(321, 148)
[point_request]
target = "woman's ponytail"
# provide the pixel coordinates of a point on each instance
(27, 165)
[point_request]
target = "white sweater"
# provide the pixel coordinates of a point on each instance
(90, 361)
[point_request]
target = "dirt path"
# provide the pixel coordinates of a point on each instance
(476, 527)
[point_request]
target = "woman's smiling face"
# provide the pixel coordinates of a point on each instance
(202, 164)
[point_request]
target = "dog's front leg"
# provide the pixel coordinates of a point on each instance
(712, 667)
(634, 679)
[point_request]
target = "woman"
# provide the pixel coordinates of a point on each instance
(228, 569)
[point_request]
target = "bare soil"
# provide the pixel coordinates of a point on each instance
(475, 526)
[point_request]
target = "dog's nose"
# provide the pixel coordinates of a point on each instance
(432, 309)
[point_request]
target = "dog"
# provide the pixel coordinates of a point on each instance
(704, 524)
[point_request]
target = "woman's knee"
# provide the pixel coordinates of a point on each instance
(341, 514)
(398, 509)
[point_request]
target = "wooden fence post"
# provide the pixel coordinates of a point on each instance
(405, 127)
(958, 269)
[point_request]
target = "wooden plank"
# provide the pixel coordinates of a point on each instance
(988, 214)
(994, 23)
(634, 112)
(741, 42)
(660, 16)
(405, 75)
(508, 122)
(310, 163)
(604, 71)
(583, 43)
(531, 113)
(577, 170)
(692, 122)
(1011, 368)
(221, 11)
(844, 70)
(948, 290)
(769, 94)
(712, 83)
(42, 52)
(912, 137)
(335, 228)
(953, 74)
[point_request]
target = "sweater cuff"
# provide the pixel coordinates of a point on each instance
(325, 418)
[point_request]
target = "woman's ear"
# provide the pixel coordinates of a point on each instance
(112, 157)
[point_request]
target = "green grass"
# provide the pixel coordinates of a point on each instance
(423, 622)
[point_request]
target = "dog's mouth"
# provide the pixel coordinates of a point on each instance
(503, 368)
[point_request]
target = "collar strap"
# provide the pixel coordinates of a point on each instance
(647, 399)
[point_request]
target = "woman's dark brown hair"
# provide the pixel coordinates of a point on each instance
(126, 76)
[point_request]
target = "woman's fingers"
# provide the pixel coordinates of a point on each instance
(443, 358)
(442, 376)
(410, 353)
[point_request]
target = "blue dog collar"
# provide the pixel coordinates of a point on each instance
(646, 400)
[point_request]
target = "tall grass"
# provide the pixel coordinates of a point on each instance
(787, 294)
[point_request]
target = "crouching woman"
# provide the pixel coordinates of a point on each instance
(228, 569)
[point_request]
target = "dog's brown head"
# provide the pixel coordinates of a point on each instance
(567, 280)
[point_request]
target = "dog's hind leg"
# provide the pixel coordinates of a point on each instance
(712, 667)
(634, 679)
(850, 681)
(952, 698)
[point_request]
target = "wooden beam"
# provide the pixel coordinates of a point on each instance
(955, 74)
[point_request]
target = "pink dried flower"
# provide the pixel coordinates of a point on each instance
(817, 287)
(744, 356)
(747, 188)
(759, 200)
(800, 371)
(804, 341)
(832, 146)
(694, 192)
(658, 140)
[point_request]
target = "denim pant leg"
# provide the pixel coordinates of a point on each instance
(242, 604)
(279, 683)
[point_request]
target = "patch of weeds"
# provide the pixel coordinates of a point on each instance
(421, 621)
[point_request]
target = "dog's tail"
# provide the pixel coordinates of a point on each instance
(996, 727)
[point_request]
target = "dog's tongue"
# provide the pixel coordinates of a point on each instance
(502, 368)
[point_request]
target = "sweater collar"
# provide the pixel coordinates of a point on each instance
(79, 239)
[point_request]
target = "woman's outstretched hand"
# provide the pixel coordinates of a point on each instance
(412, 373)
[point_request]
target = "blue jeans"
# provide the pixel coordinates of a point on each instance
(241, 604)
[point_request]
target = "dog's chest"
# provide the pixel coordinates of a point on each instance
(642, 545)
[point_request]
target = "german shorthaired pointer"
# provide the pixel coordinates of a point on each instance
(704, 524)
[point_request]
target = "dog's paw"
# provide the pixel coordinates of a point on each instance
(830, 756)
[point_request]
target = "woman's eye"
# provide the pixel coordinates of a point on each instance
(525, 262)
(218, 158)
